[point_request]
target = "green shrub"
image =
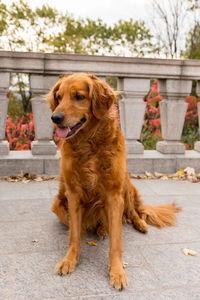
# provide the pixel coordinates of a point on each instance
(15, 108)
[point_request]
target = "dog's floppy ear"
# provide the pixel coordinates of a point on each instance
(102, 96)
(51, 96)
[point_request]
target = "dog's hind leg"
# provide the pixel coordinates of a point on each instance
(137, 222)
(132, 204)
(60, 204)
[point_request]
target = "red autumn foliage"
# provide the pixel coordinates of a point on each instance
(152, 114)
(191, 117)
(20, 132)
(152, 126)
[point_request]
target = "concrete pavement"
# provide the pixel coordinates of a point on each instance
(32, 241)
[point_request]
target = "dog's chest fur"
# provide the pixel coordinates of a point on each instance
(88, 170)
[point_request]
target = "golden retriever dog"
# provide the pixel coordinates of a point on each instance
(95, 191)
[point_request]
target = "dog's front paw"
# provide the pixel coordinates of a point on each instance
(101, 232)
(118, 278)
(65, 266)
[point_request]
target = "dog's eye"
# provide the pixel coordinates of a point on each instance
(58, 98)
(78, 97)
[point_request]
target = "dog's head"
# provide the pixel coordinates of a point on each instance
(76, 99)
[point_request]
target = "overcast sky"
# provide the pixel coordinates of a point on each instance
(108, 10)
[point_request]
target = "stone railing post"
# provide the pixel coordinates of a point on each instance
(4, 85)
(172, 111)
(132, 110)
(197, 144)
(40, 85)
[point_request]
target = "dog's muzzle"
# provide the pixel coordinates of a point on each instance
(66, 132)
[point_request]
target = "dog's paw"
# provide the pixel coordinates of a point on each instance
(65, 266)
(141, 226)
(101, 232)
(118, 279)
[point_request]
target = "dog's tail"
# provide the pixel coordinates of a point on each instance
(141, 214)
(161, 215)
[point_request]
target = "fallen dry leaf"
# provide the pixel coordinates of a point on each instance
(165, 177)
(25, 181)
(91, 243)
(189, 171)
(125, 264)
(158, 175)
(34, 241)
(192, 178)
(29, 176)
(189, 252)
(39, 178)
(180, 172)
(149, 175)
(135, 176)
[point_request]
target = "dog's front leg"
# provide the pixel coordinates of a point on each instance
(115, 207)
(68, 263)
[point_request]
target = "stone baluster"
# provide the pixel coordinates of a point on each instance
(172, 111)
(132, 110)
(4, 85)
(40, 85)
(197, 144)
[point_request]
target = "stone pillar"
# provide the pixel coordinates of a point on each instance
(40, 85)
(172, 111)
(4, 85)
(132, 110)
(197, 144)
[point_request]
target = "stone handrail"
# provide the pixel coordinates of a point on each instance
(133, 77)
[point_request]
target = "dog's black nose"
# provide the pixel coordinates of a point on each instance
(57, 118)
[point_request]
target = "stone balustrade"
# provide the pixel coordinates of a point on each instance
(133, 77)
(4, 85)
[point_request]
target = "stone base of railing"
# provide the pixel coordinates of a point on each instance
(197, 146)
(43, 147)
(168, 147)
(154, 161)
(20, 162)
(4, 148)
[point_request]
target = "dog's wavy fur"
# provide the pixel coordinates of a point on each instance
(95, 191)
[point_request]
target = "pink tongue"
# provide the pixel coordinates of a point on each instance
(62, 132)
